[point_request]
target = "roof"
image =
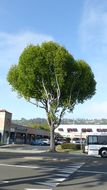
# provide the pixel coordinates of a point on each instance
(3, 110)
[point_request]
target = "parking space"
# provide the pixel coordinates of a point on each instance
(33, 177)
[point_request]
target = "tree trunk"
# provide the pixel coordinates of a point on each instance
(52, 141)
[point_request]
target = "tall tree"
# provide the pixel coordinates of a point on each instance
(48, 76)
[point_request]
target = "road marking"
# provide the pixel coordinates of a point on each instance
(19, 166)
(37, 189)
(18, 180)
(1, 182)
(72, 168)
(46, 158)
(77, 164)
(33, 158)
(68, 171)
(62, 174)
(76, 167)
(51, 182)
(48, 184)
(94, 172)
(58, 179)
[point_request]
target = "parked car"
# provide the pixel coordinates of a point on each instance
(60, 141)
(46, 141)
(40, 142)
(78, 141)
(36, 142)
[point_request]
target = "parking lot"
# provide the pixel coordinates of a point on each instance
(53, 171)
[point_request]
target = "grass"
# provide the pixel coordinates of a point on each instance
(59, 149)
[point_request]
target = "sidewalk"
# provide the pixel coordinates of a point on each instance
(23, 148)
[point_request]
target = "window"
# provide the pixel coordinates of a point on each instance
(60, 129)
(92, 140)
(98, 130)
(84, 130)
(75, 130)
(70, 130)
(102, 140)
(104, 130)
(89, 130)
(101, 130)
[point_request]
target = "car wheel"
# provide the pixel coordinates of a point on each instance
(103, 153)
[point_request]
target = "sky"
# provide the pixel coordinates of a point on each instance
(78, 25)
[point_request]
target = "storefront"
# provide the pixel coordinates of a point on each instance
(11, 133)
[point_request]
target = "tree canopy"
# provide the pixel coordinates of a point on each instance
(48, 76)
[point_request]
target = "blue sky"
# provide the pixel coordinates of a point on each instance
(79, 25)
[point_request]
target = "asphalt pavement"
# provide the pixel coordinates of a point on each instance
(24, 148)
(29, 168)
(51, 171)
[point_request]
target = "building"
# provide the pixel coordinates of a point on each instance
(79, 131)
(14, 133)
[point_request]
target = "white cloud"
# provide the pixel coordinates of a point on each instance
(93, 45)
(98, 109)
(2, 81)
(91, 109)
(93, 27)
(11, 45)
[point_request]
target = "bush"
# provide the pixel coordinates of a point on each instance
(71, 146)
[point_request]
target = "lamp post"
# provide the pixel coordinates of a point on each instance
(81, 139)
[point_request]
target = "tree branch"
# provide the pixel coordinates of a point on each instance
(45, 89)
(36, 103)
(58, 90)
(61, 115)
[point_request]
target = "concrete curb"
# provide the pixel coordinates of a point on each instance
(21, 151)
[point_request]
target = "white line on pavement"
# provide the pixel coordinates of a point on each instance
(48, 183)
(59, 179)
(19, 166)
(38, 189)
(1, 182)
(18, 180)
(62, 174)
(94, 172)
(68, 171)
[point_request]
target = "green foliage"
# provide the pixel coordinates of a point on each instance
(43, 126)
(71, 146)
(48, 75)
(29, 122)
(39, 123)
(45, 63)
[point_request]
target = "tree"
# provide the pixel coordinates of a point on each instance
(48, 76)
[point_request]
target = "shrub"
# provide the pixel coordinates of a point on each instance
(71, 146)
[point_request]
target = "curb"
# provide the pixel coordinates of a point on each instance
(22, 151)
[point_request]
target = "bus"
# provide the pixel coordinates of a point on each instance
(96, 144)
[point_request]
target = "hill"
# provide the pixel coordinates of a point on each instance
(42, 123)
